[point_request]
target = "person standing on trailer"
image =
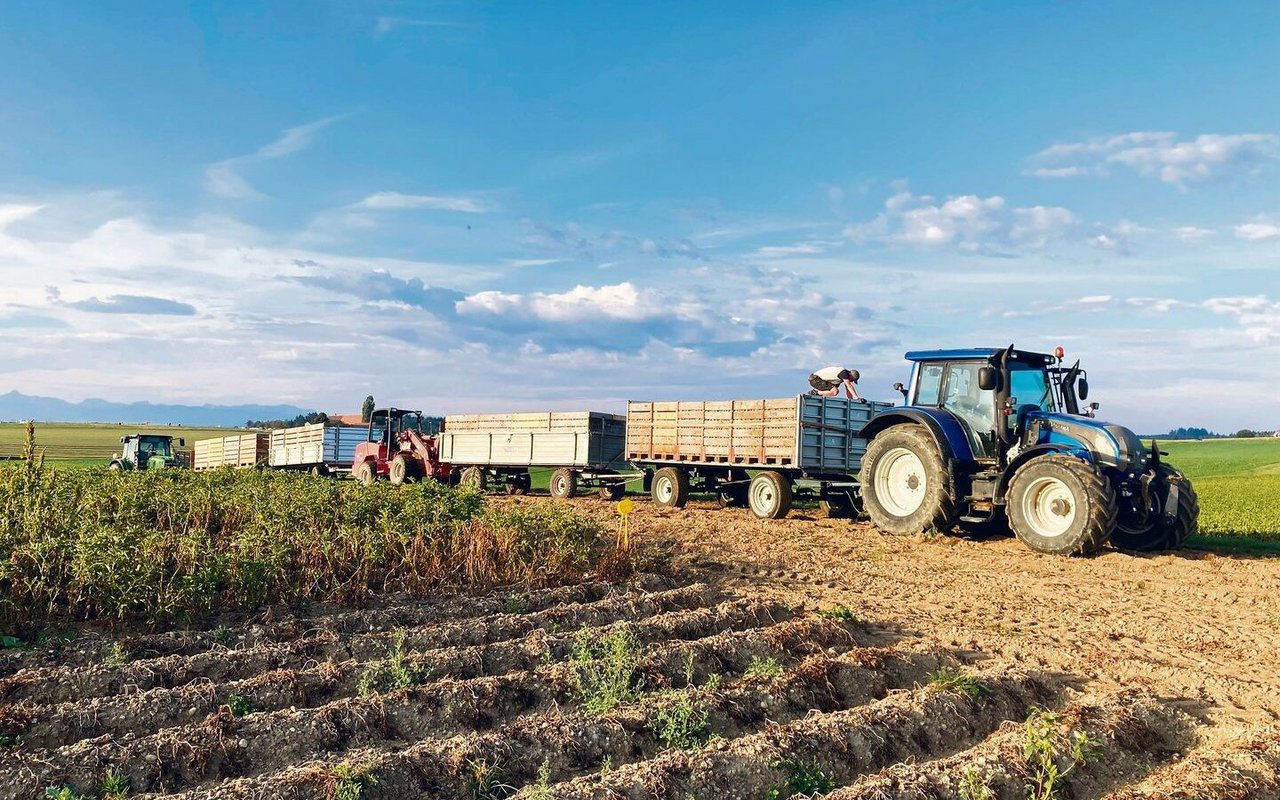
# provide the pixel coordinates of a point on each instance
(827, 381)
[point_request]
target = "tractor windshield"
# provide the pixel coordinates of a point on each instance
(1029, 386)
(149, 446)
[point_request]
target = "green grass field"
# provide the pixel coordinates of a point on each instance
(87, 444)
(1238, 481)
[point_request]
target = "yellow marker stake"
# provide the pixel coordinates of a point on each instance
(625, 507)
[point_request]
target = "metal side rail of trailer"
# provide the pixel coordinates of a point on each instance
(763, 454)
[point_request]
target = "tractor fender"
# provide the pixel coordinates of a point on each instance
(946, 431)
(1002, 485)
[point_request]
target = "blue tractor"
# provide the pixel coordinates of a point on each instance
(991, 434)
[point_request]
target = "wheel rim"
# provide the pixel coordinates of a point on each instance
(764, 496)
(664, 489)
(560, 486)
(1049, 507)
(900, 482)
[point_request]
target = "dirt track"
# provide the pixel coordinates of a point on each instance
(1168, 663)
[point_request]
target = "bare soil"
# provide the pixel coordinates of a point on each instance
(1166, 665)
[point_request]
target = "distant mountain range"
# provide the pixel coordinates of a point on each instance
(15, 406)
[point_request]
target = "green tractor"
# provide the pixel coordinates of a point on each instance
(147, 451)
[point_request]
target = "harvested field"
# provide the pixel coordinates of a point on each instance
(771, 660)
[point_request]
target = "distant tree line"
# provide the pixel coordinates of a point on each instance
(1205, 433)
(301, 419)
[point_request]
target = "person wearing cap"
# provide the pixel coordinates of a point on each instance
(827, 381)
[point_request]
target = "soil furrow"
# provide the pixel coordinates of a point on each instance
(1128, 734)
(61, 684)
(1246, 769)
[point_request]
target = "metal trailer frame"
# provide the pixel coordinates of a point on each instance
(585, 448)
(315, 447)
(763, 454)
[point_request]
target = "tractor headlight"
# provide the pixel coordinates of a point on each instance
(1132, 454)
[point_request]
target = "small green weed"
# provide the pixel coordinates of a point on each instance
(974, 785)
(393, 672)
(841, 613)
(805, 779)
(222, 635)
(542, 789)
(349, 781)
(11, 643)
(63, 793)
(682, 724)
(512, 604)
(1042, 756)
(240, 706)
(117, 657)
(484, 781)
(767, 667)
(604, 670)
(114, 786)
(950, 679)
(8, 740)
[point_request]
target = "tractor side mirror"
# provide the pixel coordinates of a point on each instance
(988, 379)
(900, 389)
(1083, 391)
(122, 438)
(182, 443)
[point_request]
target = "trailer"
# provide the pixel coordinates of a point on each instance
(763, 454)
(237, 452)
(317, 448)
(585, 448)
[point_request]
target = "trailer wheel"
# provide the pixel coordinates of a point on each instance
(906, 486)
(473, 478)
(320, 471)
(613, 491)
(670, 487)
(115, 466)
(732, 496)
(1059, 504)
(404, 469)
(366, 473)
(564, 482)
(836, 508)
(769, 495)
(518, 483)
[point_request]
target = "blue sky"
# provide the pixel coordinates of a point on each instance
(499, 206)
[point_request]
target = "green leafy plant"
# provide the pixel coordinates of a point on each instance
(767, 667)
(114, 786)
(604, 669)
(348, 781)
(974, 785)
(542, 789)
(682, 724)
(841, 613)
(63, 793)
(1039, 749)
(392, 673)
(118, 656)
(951, 679)
(803, 779)
(8, 740)
(240, 706)
(484, 781)
(222, 635)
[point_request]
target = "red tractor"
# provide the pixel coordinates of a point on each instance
(397, 448)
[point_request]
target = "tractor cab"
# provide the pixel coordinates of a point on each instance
(146, 451)
(987, 432)
(397, 447)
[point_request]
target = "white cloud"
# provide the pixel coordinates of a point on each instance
(395, 200)
(1161, 155)
(969, 222)
(223, 179)
(1257, 231)
(1258, 315)
(1191, 233)
(16, 212)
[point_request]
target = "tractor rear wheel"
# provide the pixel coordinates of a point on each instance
(1152, 530)
(366, 473)
(612, 491)
(564, 482)
(906, 486)
(1062, 505)
(404, 469)
(670, 487)
(473, 478)
(769, 495)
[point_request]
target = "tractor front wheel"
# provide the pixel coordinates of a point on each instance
(473, 478)
(906, 487)
(366, 473)
(1062, 505)
(1151, 529)
(404, 469)
(564, 482)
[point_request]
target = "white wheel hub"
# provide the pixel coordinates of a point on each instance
(900, 482)
(666, 489)
(764, 497)
(1049, 506)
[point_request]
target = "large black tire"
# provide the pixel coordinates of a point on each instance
(836, 508)
(1154, 531)
(670, 487)
(1062, 505)
(473, 478)
(769, 495)
(906, 487)
(366, 473)
(403, 469)
(612, 491)
(518, 484)
(564, 482)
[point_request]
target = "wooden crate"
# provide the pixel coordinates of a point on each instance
(239, 452)
(759, 432)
